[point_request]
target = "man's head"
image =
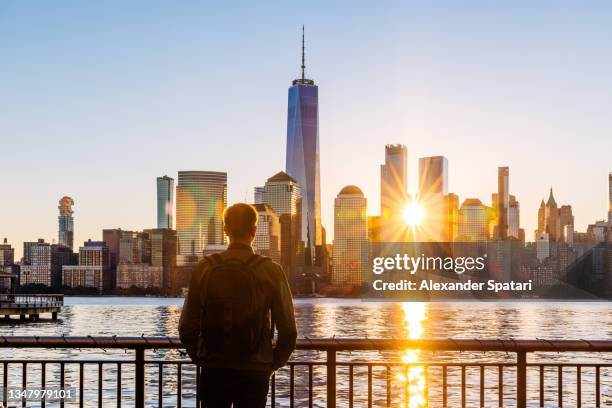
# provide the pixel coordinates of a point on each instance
(240, 223)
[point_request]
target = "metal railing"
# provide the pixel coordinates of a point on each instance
(437, 381)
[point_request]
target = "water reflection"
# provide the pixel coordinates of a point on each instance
(413, 316)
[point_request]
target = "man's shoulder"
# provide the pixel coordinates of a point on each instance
(268, 263)
(202, 265)
(265, 266)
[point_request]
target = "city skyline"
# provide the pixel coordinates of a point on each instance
(545, 120)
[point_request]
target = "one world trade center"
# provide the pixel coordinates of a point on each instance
(302, 160)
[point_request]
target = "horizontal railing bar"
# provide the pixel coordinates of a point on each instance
(346, 344)
(448, 364)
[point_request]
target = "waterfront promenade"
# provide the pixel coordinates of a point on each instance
(323, 373)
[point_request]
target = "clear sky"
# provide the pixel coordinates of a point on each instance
(99, 98)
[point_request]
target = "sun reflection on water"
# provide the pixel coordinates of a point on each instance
(414, 313)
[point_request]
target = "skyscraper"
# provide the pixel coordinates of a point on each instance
(350, 236)
(165, 202)
(8, 270)
(201, 198)
(7, 254)
(554, 221)
(503, 201)
(66, 222)
(393, 180)
(433, 175)
(302, 159)
(93, 268)
(36, 267)
(474, 219)
(43, 263)
(148, 260)
(514, 218)
(433, 187)
(451, 217)
(512, 213)
(258, 195)
(268, 235)
(282, 193)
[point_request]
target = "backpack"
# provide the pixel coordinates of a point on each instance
(233, 310)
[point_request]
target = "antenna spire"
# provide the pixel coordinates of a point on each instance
(303, 62)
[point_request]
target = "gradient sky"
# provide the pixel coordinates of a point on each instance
(97, 99)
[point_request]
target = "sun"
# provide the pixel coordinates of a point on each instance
(413, 214)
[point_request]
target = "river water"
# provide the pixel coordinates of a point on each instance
(324, 318)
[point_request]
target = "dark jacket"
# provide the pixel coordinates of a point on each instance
(275, 285)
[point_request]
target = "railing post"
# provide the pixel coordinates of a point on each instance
(331, 378)
(139, 370)
(521, 379)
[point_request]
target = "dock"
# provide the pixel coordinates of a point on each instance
(30, 306)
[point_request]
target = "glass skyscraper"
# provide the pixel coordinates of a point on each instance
(66, 222)
(350, 235)
(503, 201)
(433, 175)
(302, 160)
(393, 180)
(165, 202)
(433, 187)
(201, 198)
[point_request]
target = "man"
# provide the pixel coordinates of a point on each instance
(235, 300)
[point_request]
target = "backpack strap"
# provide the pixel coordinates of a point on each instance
(255, 260)
(214, 259)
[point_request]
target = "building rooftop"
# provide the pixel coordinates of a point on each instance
(551, 200)
(472, 202)
(262, 207)
(351, 189)
(282, 176)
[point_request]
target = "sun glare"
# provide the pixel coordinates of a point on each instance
(413, 214)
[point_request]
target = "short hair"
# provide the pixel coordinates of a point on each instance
(239, 219)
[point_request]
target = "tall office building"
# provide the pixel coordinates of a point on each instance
(393, 180)
(503, 202)
(283, 194)
(433, 187)
(514, 214)
(350, 236)
(165, 202)
(66, 222)
(93, 269)
(8, 270)
(36, 267)
(201, 198)
(258, 194)
(451, 220)
(433, 175)
(268, 235)
(134, 247)
(375, 228)
(163, 254)
(474, 221)
(557, 222)
(44, 263)
(147, 259)
(7, 254)
(302, 158)
(112, 239)
(514, 218)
